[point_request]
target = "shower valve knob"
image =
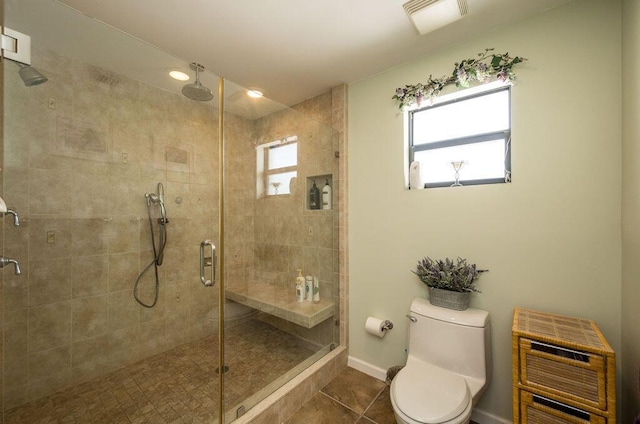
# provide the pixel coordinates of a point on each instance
(6, 261)
(16, 218)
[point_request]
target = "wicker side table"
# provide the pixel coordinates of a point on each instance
(563, 370)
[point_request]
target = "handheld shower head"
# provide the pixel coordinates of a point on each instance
(163, 211)
(158, 250)
(158, 199)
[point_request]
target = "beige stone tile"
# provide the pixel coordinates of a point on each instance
(381, 410)
(89, 236)
(123, 310)
(16, 239)
(50, 190)
(90, 352)
(49, 281)
(89, 275)
(125, 194)
(150, 294)
(182, 263)
(90, 317)
(50, 384)
(50, 363)
(322, 409)
(18, 395)
(177, 297)
(40, 243)
(153, 336)
(88, 192)
(15, 353)
(354, 389)
(123, 339)
(49, 326)
(122, 234)
(15, 300)
(123, 270)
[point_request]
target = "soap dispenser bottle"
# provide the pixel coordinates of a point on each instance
(314, 196)
(300, 286)
(326, 195)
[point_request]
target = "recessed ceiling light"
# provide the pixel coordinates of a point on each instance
(179, 75)
(254, 93)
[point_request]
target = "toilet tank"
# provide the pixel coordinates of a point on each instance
(458, 341)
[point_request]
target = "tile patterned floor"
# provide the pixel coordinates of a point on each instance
(177, 386)
(352, 397)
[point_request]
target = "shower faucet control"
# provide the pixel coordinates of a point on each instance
(6, 261)
(16, 218)
(5, 210)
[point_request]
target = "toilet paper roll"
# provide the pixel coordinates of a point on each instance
(375, 326)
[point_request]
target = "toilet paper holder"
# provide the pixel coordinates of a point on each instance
(388, 325)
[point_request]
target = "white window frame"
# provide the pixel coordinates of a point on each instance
(474, 138)
(262, 166)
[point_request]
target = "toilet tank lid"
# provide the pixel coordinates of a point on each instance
(470, 317)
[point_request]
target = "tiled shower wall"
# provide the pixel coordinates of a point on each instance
(290, 236)
(286, 235)
(80, 153)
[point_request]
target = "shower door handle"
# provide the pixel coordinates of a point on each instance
(207, 261)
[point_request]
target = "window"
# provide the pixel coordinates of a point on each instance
(277, 163)
(471, 132)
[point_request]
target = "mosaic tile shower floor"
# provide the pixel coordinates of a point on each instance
(177, 386)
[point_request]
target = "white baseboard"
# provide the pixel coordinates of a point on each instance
(367, 368)
(482, 417)
(478, 415)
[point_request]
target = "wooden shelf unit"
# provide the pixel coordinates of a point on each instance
(563, 370)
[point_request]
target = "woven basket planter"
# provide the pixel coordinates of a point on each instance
(449, 299)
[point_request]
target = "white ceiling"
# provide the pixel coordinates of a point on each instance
(290, 49)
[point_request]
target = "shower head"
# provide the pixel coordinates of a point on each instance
(30, 75)
(197, 91)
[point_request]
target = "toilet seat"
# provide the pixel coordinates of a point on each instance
(427, 394)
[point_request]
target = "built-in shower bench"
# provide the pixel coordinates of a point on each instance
(281, 302)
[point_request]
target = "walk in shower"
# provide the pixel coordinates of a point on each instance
(160, 235)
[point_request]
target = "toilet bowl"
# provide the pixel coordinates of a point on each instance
(448, 365)
(426, 394)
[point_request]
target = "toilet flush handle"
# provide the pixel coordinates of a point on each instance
(412, 318)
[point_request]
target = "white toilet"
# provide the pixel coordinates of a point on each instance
(448, 367)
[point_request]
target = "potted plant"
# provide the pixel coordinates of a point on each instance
(450, 283)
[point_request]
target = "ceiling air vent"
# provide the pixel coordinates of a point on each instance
(429, 15)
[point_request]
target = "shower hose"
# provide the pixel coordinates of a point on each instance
(157, 258)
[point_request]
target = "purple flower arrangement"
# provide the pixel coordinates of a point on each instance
(479, 69)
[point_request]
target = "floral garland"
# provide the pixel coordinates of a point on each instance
(481, 69)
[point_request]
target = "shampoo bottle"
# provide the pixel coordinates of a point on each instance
(314, 197)
(308, 287)
(326, 195)
(316, 290)
(300, 287)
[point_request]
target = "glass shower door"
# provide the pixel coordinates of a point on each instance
(113, 174)
(273, 155)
